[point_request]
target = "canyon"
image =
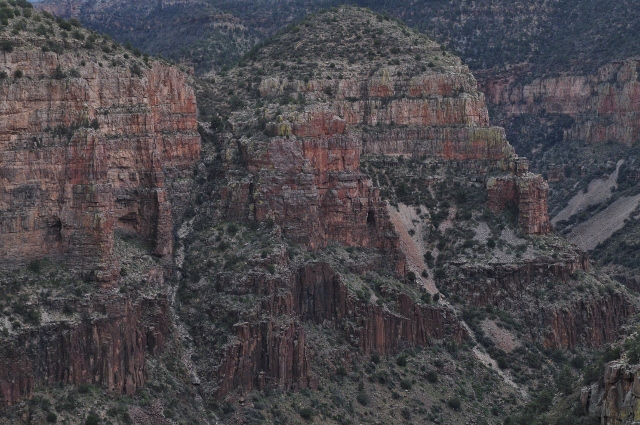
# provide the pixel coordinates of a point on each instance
(237, 252)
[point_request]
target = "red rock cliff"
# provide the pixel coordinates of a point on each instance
(605, 106)
(108, 350)
(273, 351)
(525, 191)
(82, 156)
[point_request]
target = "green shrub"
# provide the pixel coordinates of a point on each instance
(307, 413)
(405, 384)
(64, 24)
(7, 46)
(58, 74)
(363, 398)
(217, 123)
(454, 403)
(406, 413)
(52, 418)
(136, 70)
(78, 35)
(18, 74)
(432, 376)
(92, 419)
(375, 358)
(341, 371)
(35, 266)
(611, 354)
(632, 347)
(401, 361)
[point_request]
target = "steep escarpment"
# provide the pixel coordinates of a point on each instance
(292, 271)
(317, 295)
(107, 350)
(603, 106)
(97, 146)
(86, 148)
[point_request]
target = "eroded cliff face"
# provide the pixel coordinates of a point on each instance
(605, 106)
(96, 148)
(524, 191)
(437, 115)
(105, 348)
(585, 317)
(85, 155)
(615, 399)
(284, 156)
(274, 353)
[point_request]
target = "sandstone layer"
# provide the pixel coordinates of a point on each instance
(106, 348)
(437, 115)
(273, 352)
(605, 106)
(82, 156)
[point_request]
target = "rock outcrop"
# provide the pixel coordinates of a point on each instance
(524, 191)
(293, 160)
(313, 188)
(588, 320)
(614, 400)
(93, 141)
(437, 115)
(605, 106)
(273, 352)
(106, 347)
(84, 155)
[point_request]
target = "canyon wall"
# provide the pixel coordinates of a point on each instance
(300, 169)
(615, 399)
(105, 347)
(437, 115)
(605, 106)
(273, 351)
(581, 319)
(82, 156)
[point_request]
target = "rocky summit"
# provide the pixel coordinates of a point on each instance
(329, 231)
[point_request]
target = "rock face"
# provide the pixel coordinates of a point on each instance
(83, 156)
(605, 106)
(274, 353)
(590, 320)
(108, 350)
(439, 115)
(87, 149)
(614, 400)
(292, 158)
(313, 187)
(527, 193)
